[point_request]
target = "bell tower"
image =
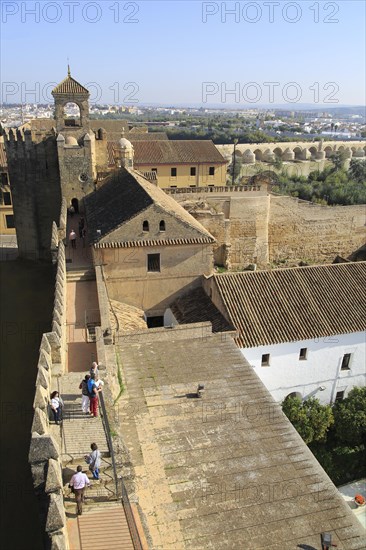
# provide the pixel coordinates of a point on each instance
(75, 140)
(70, 91)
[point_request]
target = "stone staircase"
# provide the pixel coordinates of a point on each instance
(104, 527)
(75, 274)
(79, 430)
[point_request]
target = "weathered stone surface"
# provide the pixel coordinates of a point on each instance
(59, 541)
(42, 448)
(39, 472)
(56, 518)
(41, 398)
(54, 341)
(45, 345)
(40, 422)
(45, 358)
(54, 477)
(43, 378)
(57, 328)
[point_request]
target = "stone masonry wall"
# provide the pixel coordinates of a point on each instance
(302, 230)
(268, 228)
(35, 186)
(44, 453)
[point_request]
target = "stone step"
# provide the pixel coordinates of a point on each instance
(80, 274)
(113, 534)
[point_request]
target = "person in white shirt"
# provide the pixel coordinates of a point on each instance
(72, 238)
(56, 406)
(78, 483)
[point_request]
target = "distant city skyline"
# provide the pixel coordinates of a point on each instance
(214, 54)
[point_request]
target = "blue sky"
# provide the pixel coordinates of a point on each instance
(164, 52)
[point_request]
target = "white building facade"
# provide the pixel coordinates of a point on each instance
(326, 368)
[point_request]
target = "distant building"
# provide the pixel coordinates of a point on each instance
(178, 163)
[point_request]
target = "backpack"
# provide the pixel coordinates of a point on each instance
(91, 386)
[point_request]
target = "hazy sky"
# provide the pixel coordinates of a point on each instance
(175, 52)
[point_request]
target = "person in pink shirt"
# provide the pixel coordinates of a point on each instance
(78, 482)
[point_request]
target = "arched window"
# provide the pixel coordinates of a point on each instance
(72, 115)
(162, 225)
(145, 226)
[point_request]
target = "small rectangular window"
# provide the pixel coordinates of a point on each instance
(153, 262)
(7, 198)
(173, 187)
(173, 172)
(4, 178)
(346, 361)
(265, 360)
(211, 171)
(339, 396)
(154, 169)
(10, 221)
(193, 170)
(303, 355)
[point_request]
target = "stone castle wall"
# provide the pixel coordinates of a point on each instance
(272, 229)
(44, 452)
(36, 192)
(310, 232)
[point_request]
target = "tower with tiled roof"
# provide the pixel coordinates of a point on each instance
(71, 91)
(75, 141)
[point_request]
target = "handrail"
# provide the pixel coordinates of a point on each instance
(124, 495)
(109, 438)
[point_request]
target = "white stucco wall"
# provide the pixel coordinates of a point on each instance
(322, 367)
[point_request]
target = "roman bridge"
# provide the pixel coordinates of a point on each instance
(250, 153)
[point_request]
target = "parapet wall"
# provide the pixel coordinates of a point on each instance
(302, 230)
(275, 229)
(44, 452)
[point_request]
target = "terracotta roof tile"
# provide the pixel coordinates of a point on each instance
(157, 152)
(288, 305)
(70, 86)
(125, 194)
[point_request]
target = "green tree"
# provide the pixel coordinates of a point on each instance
(357, 170)
(311, 419)
(338, 159)
(350, 418)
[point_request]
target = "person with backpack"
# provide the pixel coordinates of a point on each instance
(94, 460)
(85, 401)
(93, 395)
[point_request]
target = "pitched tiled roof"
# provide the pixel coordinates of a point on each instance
(288, 305)
(157, 152)
(69, 86)
(125, 194)
(196, 307)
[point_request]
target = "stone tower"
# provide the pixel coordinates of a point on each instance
(75, 141)
(49, 160)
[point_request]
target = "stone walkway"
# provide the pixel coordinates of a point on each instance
(79, 430)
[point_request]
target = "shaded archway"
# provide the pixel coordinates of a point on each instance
(278, 153)
(298, 153)
(75, 204)
(313, 151)
(71, 114)
(328, 152)
(293, 395)
(258, 155)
